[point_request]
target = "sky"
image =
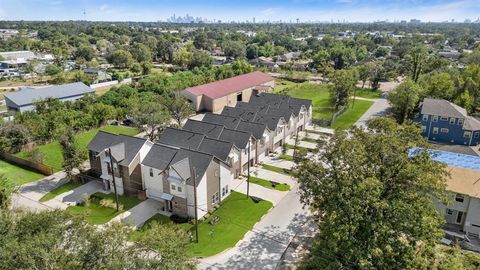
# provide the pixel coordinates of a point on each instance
(266, 10)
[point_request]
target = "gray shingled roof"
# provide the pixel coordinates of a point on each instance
(160, 156)
(28, 96)
(237, 137)
(200, 161)
(245, 114)
(442, 107)
(181, 138)
(270, 120)
(104, 140)
(255, 128)
(218, 148)
(208, 129)
(227, 121)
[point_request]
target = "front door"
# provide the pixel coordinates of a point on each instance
(459, 217)
(169, 206)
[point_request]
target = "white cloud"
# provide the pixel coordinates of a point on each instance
(268, 12)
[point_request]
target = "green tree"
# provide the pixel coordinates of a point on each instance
(343, 85)
(141, 53)
(55, 240)
(372, 200)
(182, 57)
(234, 49)
(465, 100)
(120, 58)
(6, 192)
(179, 108)
(252, 51)
(416, 59)
(439, 85)
(200, 59)
(150, 115)
(404, 99)
(86, 52)
(241, 66)
(73, 156)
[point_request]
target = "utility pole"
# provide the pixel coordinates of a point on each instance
(113, 176)
(194, 178)
(248, 168)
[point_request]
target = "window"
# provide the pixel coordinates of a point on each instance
(435, 118)
(179, 189)
(459, 217)
(452, 121)
(444, 130)
(172, 187)
(459, 198)
(425, 117)
(435, 130)
(151, 172)
(444, 118)
(476, 134)
(460, 121)
(224, 191)
(424, 128)
(215, 198)
(449, 211)
(109, 169)
(467, 134)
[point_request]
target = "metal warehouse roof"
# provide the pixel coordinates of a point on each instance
(28, 96)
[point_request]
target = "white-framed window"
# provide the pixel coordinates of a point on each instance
(476, 134)
(449, 211)
(179, 189)
(435, 118)
(452, 121)
(425, 117)
(435, 130)
(444, 130)
(172, 187)
(224, 191)
(467, 134)
(151, 172)
(459, 198)
(460, 121)
(444, 118)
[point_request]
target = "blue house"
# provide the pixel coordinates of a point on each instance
(446, 122)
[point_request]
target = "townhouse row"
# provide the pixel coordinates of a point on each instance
(203, 157)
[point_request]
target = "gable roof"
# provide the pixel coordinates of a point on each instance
(237, 137)
(200, 161)
(160, 156)
(227, 121)
(271, 121)
(211, 130)
(442, 107)
(218, 148)
(231, 85)
(255, 128)
(28, 96)
(245, 114)
(181, 138)
(104, 140)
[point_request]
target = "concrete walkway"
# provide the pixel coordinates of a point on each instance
(71, 197)
(380, 108)
(142, 212)
(278, 162)
(273, 176)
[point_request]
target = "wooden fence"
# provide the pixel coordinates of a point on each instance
(27, 164)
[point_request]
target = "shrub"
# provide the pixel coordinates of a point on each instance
(86, 200)
(178, 219)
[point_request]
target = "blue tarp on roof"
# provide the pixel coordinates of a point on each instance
(453, 159)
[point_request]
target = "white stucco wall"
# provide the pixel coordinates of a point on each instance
(472, 221)
(226, 177)
(153, 185)
(182, 185)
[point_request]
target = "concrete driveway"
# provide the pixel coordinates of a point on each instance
(142, 212)
(68, 198)
(273, 176)
(268, 194)
(263, 246)
(278, 162)
(380, 108)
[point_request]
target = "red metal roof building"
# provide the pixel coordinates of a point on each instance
(216, 95)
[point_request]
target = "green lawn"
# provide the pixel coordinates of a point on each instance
(289, 146)
(96, 214)
(59, 190)
(286, 157)
(318, 93)
(281, 85)
(276, 169)
(53, 153)
(269, 184)
(352, 114)
(158, 218)
(17, 175)
(237, 215)
(368, 93)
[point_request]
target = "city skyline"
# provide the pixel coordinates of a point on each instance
(284, 10)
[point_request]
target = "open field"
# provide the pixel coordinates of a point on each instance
(52, 152)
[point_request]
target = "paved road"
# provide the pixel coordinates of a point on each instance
(263, 247)
(380, 108)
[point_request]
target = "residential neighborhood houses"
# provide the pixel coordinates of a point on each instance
(208, 144)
